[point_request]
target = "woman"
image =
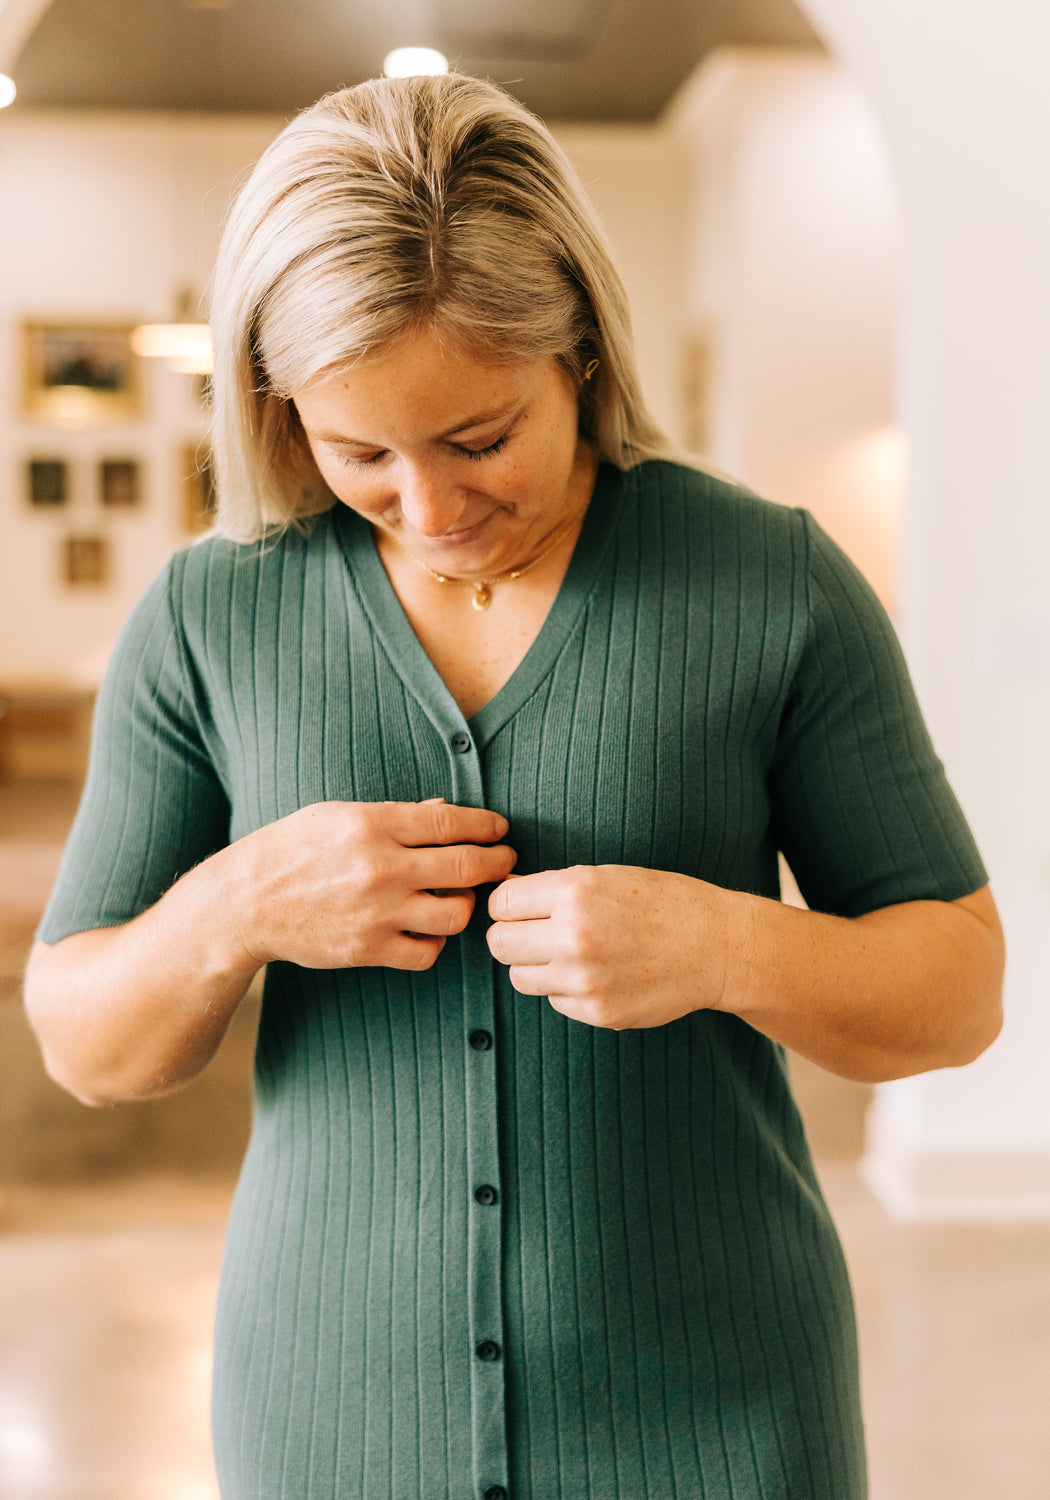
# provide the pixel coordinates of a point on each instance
(527, 1208)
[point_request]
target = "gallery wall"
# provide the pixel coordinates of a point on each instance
(106, 218)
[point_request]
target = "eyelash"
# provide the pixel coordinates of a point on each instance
(475, 454)
(489, 452)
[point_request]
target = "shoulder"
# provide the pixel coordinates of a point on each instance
(711, 503)
(716, 535)
(218, 562)
(224, 584)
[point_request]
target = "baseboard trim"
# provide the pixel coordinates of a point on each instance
(960, 1187)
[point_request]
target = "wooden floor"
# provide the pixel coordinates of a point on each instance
(108, 1278)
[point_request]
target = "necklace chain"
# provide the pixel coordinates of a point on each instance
(483, 586)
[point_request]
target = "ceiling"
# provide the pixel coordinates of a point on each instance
(565, 59)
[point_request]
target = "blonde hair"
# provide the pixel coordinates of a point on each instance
(395, 206)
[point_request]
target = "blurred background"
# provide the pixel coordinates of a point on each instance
(834, 227)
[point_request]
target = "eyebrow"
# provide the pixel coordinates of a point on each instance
(478, 420)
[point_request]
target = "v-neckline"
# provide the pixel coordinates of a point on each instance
(402, 645)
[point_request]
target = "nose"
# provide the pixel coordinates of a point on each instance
(431, 502)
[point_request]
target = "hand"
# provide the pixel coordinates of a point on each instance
(612, 945)
(352, 884)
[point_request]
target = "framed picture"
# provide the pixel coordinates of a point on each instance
(85, 560)
(80, 375)
(198, 488)
(120, 482)
(47, 482)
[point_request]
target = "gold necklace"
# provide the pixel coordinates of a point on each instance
(483, 586)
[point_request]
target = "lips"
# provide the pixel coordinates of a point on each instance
(463, 536)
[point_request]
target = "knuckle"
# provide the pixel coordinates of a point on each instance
(372, 869)
(443, 816)
(358, 817)
(424, 953)
(457, 910)
(580, 981)
(466, 867)
(575, 935)
(516, 974)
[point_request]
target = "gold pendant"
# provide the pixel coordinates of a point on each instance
(482, 597)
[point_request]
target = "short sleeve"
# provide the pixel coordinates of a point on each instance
(863, 811)
(153, 806)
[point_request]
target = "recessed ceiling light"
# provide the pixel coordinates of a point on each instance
(414, 62)
(7, 91)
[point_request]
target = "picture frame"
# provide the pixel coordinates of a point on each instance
(47, 482)
(80, 374)
(197, 477)
(85, 561)
(119, 483)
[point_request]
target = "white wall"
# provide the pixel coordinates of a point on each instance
(793, 279)
(634, 177)
(961, 88)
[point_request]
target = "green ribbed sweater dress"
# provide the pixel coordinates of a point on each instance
(477, 1249)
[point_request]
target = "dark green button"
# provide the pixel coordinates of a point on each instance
(485, 1194)
(495, 1492)
(460, 742)
(481, 1041)
(488, 1351)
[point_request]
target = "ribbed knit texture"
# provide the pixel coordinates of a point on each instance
(657, 1268)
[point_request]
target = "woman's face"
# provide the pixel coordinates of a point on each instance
(469, 465)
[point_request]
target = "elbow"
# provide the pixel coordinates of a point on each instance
(81, 1089)
(985, 1008)
(986, 1024)
(975, 1022)
(76, 1080)
(986, 968)
(56, 1065)
(99, 1088)
(88, 1072)
(964, 1043)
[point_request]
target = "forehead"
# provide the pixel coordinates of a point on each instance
(422, 385)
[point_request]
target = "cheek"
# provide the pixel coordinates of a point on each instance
(354, 488)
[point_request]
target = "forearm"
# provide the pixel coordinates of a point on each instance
(137, 1010)
(898, 991)
(130, 1011)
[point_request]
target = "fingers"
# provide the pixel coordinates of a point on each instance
(521, 942)
(406, 950)
(458, 866)
(438, 916)
(527, 897)
(418, 824)
(529, 979)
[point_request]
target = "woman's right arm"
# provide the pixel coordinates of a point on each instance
(135, 1010)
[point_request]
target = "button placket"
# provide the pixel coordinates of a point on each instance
(486, 1230)
(481, 1184)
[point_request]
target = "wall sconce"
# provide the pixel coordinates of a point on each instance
(184, 345)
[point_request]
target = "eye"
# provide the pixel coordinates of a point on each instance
(489, 452)
(348, 461)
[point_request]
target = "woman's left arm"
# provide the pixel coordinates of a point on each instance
(897, 991)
